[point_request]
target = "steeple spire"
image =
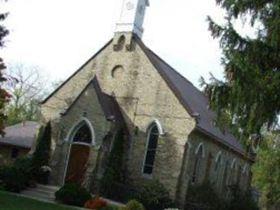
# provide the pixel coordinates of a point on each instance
(132, 16)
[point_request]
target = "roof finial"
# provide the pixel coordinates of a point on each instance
(132, 16)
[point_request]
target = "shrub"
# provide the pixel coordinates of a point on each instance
(241, 200)
(72, 194)
(16, 177)
(204, 197)
(12, 179)
(95, 203)
(154, 196)
(24, 167)
(41, 155)
(134, 205)
(110, 208)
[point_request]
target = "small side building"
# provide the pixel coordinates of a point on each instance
(17, 141)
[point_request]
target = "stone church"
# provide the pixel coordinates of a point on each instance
(170, 131)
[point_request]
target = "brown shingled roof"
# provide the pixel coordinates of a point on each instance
(21, 135)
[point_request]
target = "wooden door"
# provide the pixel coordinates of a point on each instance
(77, 163)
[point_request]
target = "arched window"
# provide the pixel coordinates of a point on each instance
(238, 178)
(120, 44)
(233, 172)
(245, 175)
(82, 133)
(225, 177)
(208, 166)
(197, 164)
(217, 169)
(152, 142)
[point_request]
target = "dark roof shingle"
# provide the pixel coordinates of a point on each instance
(21, 135)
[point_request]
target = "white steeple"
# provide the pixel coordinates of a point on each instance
(132, 16)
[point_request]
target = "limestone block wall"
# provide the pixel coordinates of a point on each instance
(143, 97)
(211, 151)
(6, 151)
(61, 99)
(86, 107)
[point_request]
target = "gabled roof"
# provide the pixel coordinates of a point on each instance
(21, 135)
(76, 72)
(108, 103)
(193, 100)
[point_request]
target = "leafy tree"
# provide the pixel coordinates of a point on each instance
(250, 94)
(267, 170)
(27, 87)
(4, 95)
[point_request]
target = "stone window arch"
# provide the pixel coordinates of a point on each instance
(153, 133)
(245, 169)
(245, 174)
(199, 155)
(120, 43)
(233, 173)
(81, 137)
(82, 133)
(159, 126)
(225, 176)
(218, 166)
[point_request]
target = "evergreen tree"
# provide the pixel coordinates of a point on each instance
(4, 95)
(249, 97)
(41, 155)
(266, 171)
(114, 173)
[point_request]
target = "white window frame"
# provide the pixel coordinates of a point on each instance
(148, 131)
(70, 137)
(218, 170)
(76, 127)
(196, 168)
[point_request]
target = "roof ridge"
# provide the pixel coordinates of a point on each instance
(175, 71)
(65, 111)
(186, 87)
(76, 72)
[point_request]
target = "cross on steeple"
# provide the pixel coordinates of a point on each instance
(132, 16)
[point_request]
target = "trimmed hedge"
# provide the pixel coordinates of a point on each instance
(134, 205)
(154, 196)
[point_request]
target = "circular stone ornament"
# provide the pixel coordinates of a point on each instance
(129, 5)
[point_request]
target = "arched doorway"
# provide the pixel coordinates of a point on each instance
(81, 139)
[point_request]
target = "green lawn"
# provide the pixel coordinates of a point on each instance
(13, 202)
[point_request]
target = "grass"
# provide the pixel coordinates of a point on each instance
(13, 202)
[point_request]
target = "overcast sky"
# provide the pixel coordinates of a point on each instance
(60, 35)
